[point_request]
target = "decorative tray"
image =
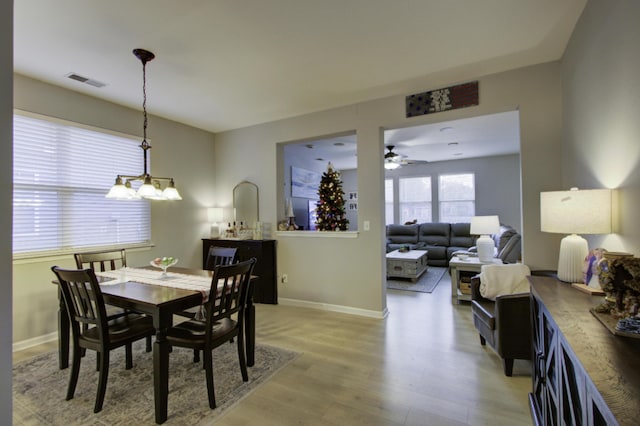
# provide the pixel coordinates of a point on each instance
(611, 323)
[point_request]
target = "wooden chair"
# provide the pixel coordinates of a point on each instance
(230, 291)
(216, 256)
(220, 256)
(85, 306)
(106, 260)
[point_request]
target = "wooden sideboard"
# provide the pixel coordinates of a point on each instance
(582, 373)
(265, 289)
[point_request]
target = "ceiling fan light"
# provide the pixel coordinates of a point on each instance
(391, 165)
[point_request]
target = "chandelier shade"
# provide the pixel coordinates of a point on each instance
(151, 187)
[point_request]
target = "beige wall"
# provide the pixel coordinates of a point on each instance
(349, 272)
(601, 92)
(6, 177)
(180, 151)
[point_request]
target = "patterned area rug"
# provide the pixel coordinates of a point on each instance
(39, 387)
(425, 284)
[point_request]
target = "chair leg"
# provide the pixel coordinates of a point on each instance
(483, 341)
(102, 381)
(128, 356)
(243, 359)
(508, 366)
(75, 371)
(149, 346)
(208, 367)
(196, 356)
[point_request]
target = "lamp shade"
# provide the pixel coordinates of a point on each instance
(214, 214)
(586, 211)
(484, 225)
(575, 212)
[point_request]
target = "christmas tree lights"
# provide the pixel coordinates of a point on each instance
(330, 211)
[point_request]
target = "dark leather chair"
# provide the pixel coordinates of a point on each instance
(92, 329)
(230, 291)
(504, 323)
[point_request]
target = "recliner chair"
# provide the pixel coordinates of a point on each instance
(504, 323)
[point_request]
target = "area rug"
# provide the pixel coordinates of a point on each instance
(425, 284)
(39, 387)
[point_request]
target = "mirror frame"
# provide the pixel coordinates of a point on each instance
(236, 191)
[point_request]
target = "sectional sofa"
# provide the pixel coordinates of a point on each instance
(442, 240)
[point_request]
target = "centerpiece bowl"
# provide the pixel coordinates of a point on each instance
(164, 263)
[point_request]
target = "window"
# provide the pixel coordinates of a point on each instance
(457, 195)
(388, 202)
(61, 173)
(415, 199)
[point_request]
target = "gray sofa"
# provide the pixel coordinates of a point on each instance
(442, 240)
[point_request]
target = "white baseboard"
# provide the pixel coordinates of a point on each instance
(334, 308)
(35, 341)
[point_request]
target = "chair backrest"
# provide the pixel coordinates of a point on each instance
(230, 287)
(106, 260)
(511, 252)
(83, 299)
(220, 256)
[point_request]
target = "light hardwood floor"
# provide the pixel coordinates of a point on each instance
(423, 365)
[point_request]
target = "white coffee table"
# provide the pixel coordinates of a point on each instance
(459, 267)
(410, 264)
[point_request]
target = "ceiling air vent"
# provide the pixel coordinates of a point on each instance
(81, 79)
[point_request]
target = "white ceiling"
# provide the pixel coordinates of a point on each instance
(225, 64)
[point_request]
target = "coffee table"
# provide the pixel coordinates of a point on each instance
(410, 264)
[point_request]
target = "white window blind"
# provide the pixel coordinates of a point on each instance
(415, 199)
(61, 174)
(388, 202)
(457, 194)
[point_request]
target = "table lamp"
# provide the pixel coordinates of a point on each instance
(575, 212)
(214, 215)
(485, 226)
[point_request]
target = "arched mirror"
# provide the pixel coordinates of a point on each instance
(245, 203)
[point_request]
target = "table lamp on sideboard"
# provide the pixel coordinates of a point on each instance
(214, 215)
(485, 226)
(575, 212)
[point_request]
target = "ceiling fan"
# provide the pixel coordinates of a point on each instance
(393, 160)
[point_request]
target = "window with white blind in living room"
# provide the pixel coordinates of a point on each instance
(457, 197)
(414, 195)
(61, 174)
(388, 202)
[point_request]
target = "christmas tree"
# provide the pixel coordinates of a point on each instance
(330, 212)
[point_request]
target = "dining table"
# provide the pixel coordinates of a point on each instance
(160, 299)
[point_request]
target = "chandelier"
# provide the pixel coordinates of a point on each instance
(151, 186)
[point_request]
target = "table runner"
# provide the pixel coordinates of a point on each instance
(149, 276)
